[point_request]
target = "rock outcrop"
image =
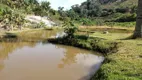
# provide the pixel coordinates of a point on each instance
(38, 19)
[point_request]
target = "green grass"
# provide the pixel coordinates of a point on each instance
(111, 36)
(122, 24)
(126, 64)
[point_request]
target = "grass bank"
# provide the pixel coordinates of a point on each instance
(16, 32)
(28, 35)
(126, 63)
(91, 43)
(115, 29)
(123, 64)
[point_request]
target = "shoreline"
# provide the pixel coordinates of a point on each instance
(117, 65)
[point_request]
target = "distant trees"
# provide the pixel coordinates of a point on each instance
(42, 9)
(10, 18)
(72, 14)
(45, 7)
(63, 15)
(95, 9)
(14, 3)
(90, 8)
(61, 11)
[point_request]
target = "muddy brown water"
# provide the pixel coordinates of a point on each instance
(35, 60)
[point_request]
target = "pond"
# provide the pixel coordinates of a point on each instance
(30, 57)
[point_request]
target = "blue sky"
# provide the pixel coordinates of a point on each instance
(63, 3)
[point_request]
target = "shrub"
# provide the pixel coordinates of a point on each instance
(86, 22)
(122, 10)
(70, 29)
(41, 25)
(127, 18)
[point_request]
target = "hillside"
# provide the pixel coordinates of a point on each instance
(119, 3)
(120, 10)
(104, 12)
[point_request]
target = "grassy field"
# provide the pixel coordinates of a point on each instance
(126, 64)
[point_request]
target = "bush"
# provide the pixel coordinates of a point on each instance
(122, 10)
(11, 18)
(123, 24)
(106, 12)
(70, 29)
(86, 22)
(99, 22)
(126, 18)
(41, 25)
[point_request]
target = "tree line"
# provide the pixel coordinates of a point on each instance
(94, 9)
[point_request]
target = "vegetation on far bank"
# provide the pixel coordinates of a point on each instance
(94, 44)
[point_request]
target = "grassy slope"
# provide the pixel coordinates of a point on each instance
(127, 3)
(126, 63)
(115, 16)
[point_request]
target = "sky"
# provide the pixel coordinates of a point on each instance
(63, 3)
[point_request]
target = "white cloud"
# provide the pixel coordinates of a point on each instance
(63, 3)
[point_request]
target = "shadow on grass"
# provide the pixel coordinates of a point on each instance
(10, 35)
(130, 38)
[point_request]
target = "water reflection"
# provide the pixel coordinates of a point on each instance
(86, 59)
(29, 59)
(73, 54)
(27, 38)
(30, 36)
(8, 47)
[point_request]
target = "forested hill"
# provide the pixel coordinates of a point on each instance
(106, 10)
(119, 3)
(105, 7)
(111, 1)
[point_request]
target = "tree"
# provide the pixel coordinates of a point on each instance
(10, 18)
(63, 14)
(89, 8)
(138, 28)
(45, 7)
(76, 8)
(70, 29)
(14, 3)
(71, 13)
(61, 11)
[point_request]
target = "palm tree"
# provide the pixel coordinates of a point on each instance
(138, 29)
